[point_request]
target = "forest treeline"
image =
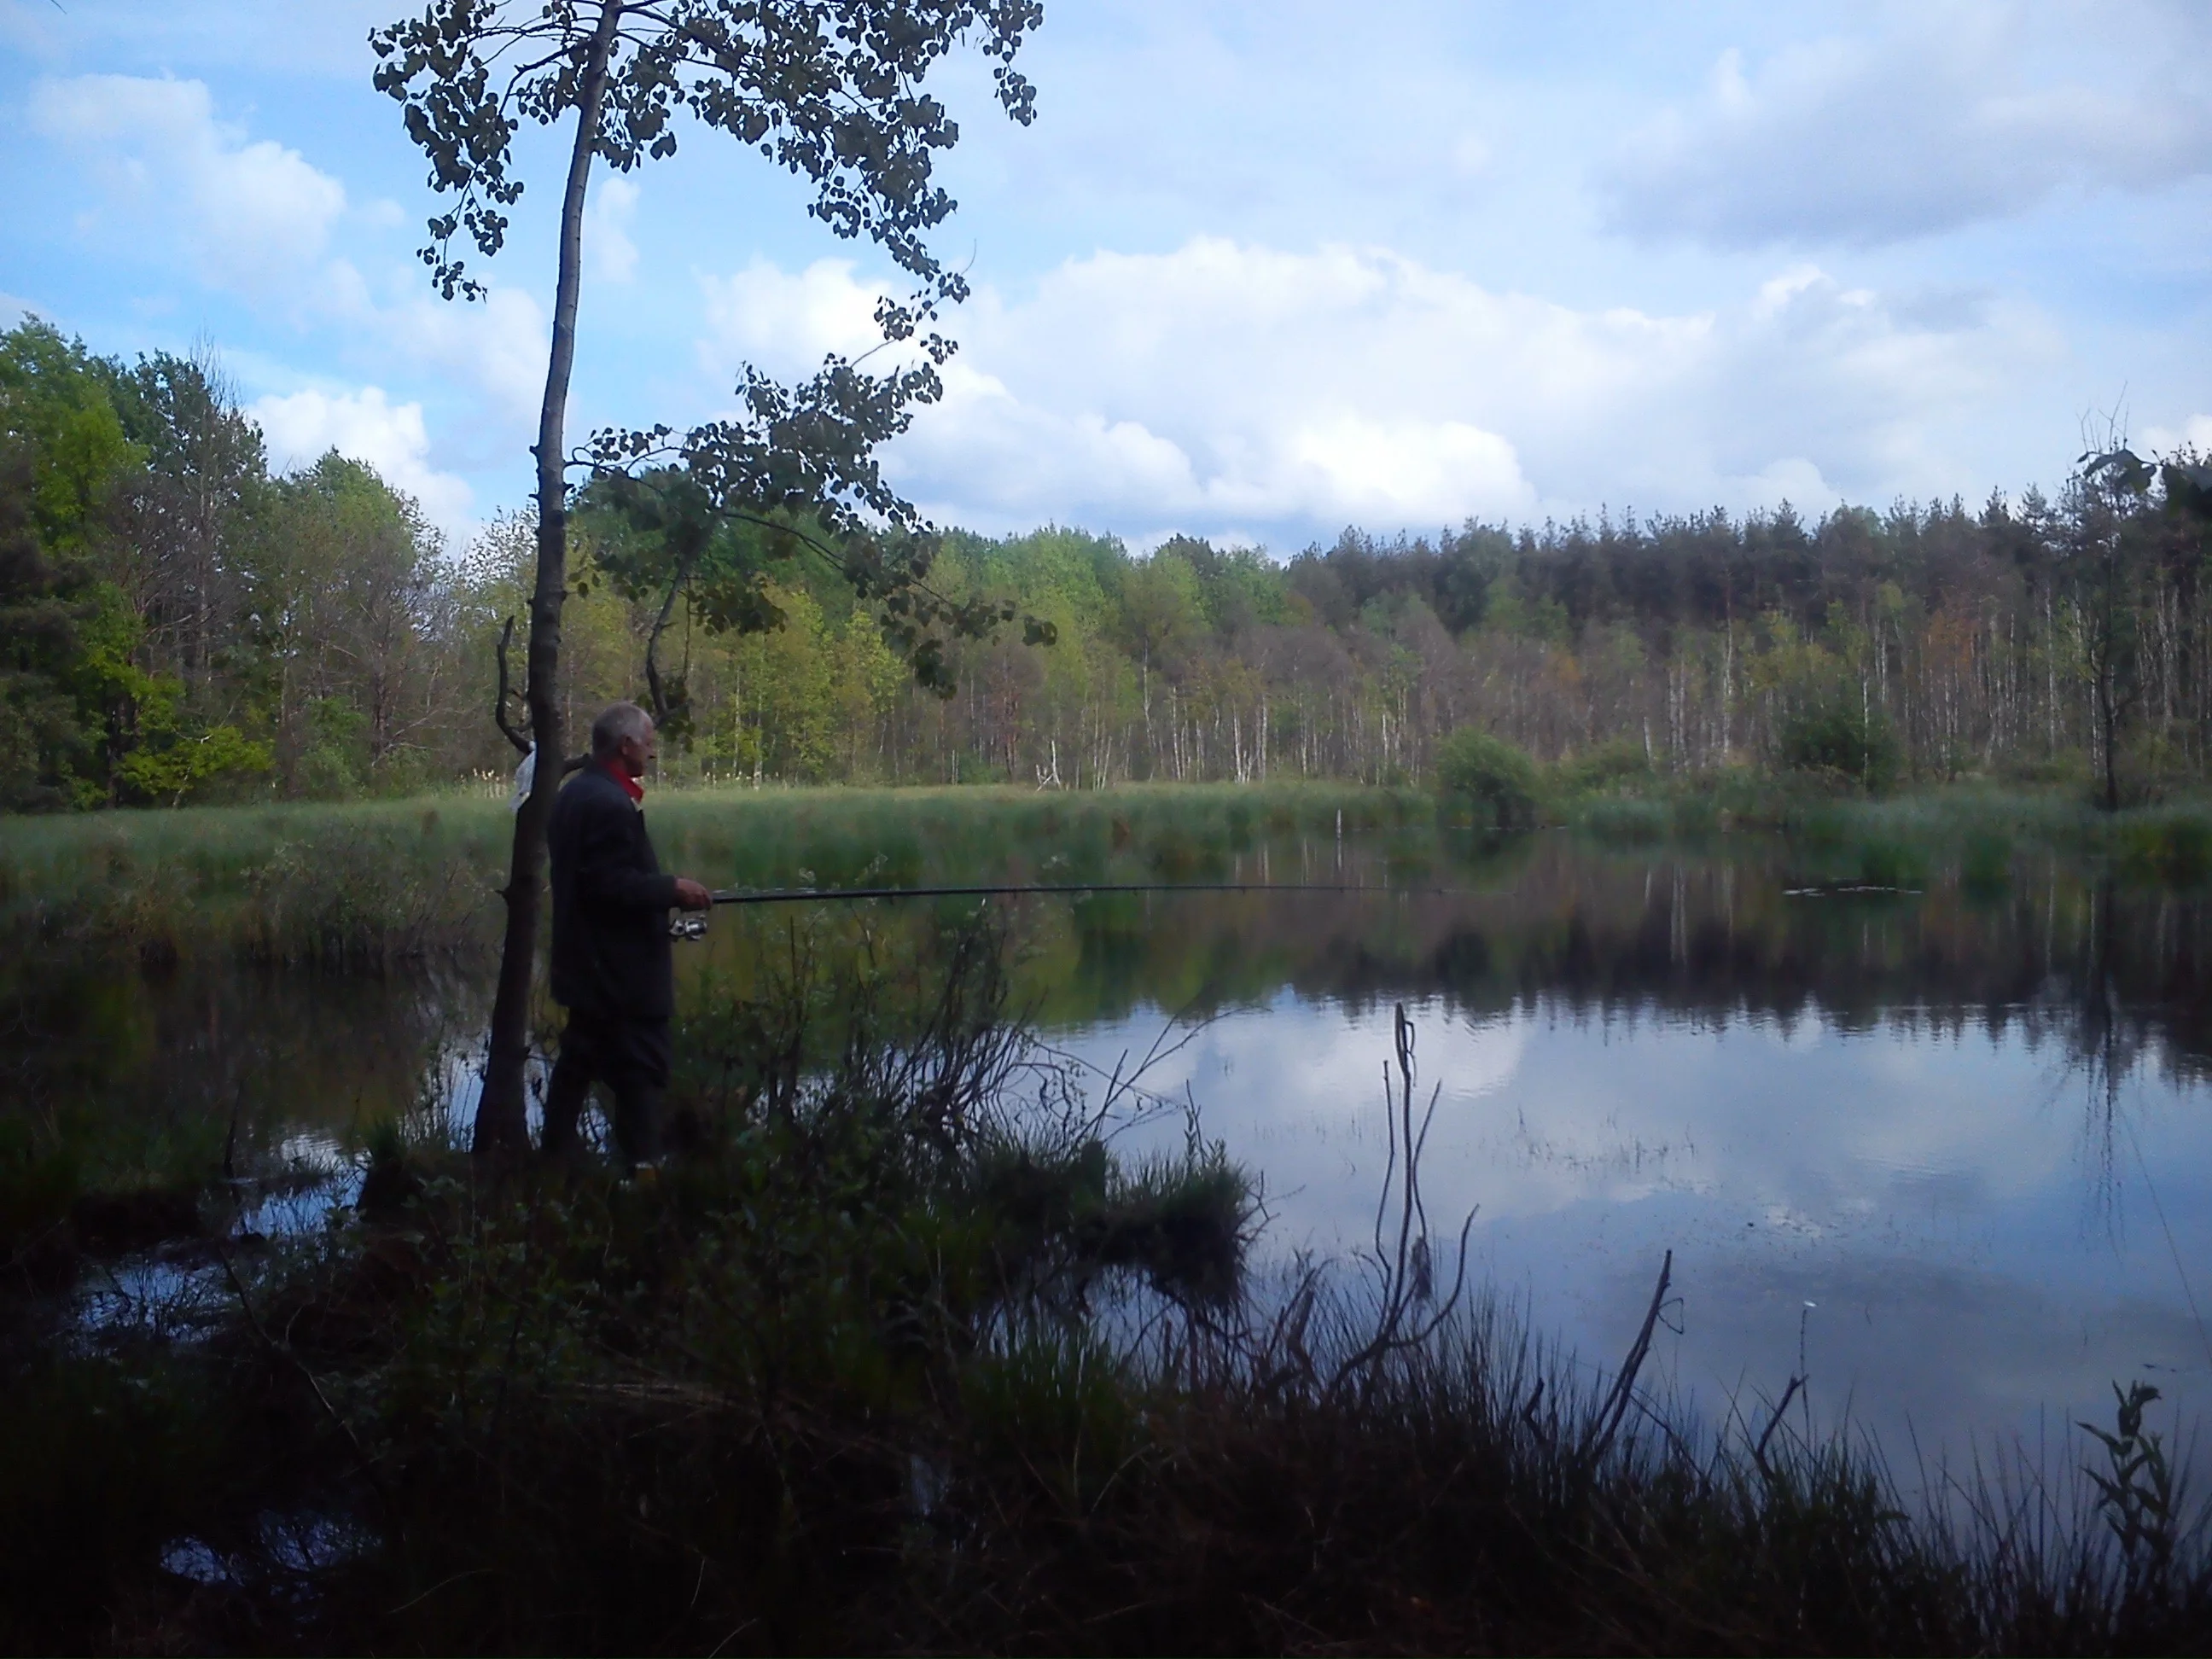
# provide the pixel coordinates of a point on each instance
(176, 622)
(179, 622)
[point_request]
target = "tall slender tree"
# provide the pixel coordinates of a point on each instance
(2110, 488)
(831, 90)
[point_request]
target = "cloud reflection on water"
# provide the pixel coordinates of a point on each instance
(1932, 1190)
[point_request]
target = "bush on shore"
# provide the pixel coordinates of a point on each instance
(1483, 775)
(1842, 739)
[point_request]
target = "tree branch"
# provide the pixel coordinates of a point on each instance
(676, 585)
(829, 556)
(508, 728)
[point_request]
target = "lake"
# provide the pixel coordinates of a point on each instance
(1945, 1151)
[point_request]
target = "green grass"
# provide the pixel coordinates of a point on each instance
(332, 883)
(370, 881)
(374, 880)
(1971, 826)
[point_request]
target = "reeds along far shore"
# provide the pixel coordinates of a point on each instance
(361, 883)
(364, 884)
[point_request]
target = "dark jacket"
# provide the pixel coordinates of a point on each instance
(610, 905)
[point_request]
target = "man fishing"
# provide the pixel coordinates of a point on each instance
(611, 965)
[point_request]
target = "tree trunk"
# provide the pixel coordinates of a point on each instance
(502, 1133)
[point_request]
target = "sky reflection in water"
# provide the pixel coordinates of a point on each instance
(1974, 1128)
(1989, 1235)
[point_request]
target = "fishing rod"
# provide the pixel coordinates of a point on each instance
(807, 895)
(696, 926)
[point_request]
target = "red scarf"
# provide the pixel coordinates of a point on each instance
(631, 787)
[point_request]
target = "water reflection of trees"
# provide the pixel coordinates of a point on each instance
(2112, 978)
(2111, 974)
(129, 1054)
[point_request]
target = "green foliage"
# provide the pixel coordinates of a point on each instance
(1607, 767)
(171, 765)
(174, 623)
(1894, 864)
(170, 760)
(1542, 617)
(160, 595)
(2172, 849)
(1499, 781)
(2151, 768)
(2136, 1490)
(1840, 737)
(1065, 1214)
(834, 102)
(55, 409)
(837, 105)
(64, 635)
(335, 757)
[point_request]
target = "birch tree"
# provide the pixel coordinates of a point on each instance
(832, 91)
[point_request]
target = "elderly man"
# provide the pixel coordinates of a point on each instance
(611, 967)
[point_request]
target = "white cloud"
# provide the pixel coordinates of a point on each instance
(1949, 119)
(1472, 154)
(784, 322)
(1228, 385)
(608, 212)
(497, 345)
(251, 215)
(257, 218)
(364, 426)
(2195, 433)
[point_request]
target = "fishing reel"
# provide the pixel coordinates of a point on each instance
(683, 928)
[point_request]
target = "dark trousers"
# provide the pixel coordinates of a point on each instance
(631, 1057)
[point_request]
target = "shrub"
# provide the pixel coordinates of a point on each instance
(2068, 770)
(1499, 781)
(1843, 737)
(2152, 768)
(1606, 766)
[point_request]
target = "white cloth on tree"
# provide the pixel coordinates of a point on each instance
(523, 775)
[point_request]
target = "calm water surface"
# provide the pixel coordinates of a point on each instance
(1966, 1230)
(1950, 1151)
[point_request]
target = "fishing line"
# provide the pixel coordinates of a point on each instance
(2173, 1249)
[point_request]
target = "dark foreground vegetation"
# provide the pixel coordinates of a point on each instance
(902, 1355)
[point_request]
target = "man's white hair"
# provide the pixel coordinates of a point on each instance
(618, 723)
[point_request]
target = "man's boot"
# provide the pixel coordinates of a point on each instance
(558, 1142)
(637, 1127)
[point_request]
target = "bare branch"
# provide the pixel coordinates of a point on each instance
(508, 728)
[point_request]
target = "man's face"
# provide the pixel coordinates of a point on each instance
(638, 752)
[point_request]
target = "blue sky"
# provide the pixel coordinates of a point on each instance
(1257, 271)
